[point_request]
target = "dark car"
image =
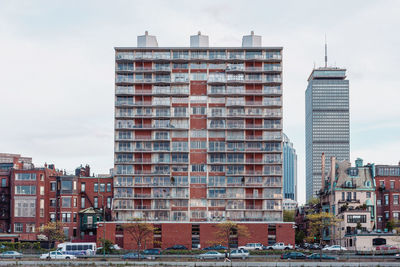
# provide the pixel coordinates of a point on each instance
(316, 256)
(133, 256)
(177, 247)
(216, 247)
(293, 255)
(152, 251)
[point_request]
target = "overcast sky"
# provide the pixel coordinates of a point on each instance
(57, 67)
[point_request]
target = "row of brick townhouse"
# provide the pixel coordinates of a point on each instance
(33, 196)
(365, 199)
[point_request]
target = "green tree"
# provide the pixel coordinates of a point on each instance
(54, 233)
(320, 222)
(299, 237)
(139, 231)
(288, 215)
(390, 225)
(313, 201)
(107, 246)
(225, 230)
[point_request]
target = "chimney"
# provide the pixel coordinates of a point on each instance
(147, 40)
(333, 170)
(323, 171)
(199, 40)
(251, 40)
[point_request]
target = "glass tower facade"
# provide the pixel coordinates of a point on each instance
(289, 169)
(327, 122)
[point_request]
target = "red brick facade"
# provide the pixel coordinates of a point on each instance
(181, 234)
(387, 181)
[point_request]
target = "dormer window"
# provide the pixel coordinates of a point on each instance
(349, 184)
(352, 171)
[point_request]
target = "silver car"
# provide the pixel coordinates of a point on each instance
(239, 254)
(10, 255)
(210, 255)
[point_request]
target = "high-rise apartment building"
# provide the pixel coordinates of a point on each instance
(289, 170)
(327, 122)
(198, 132)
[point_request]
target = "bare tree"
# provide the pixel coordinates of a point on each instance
(140, 231)
(226, 229)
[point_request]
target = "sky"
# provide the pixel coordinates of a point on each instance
(57, 68)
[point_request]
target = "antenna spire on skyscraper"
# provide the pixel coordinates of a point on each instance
(326, 53)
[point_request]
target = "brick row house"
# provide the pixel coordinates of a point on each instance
(33, 196)
(387, 178)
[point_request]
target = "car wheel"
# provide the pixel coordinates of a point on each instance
(48, 258)
(201, 258)
(270, 248)
(67, 258)
(286, 248)
(243, 258)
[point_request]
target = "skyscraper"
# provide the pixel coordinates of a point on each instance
(198, 132)
(327, 122)
(289, 169)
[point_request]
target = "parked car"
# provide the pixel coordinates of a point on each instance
(177, 247)
(57, 255)
(386, 247)
(239, 254)
(152, 251)
(133, 256)
(317, 256)
(279, 246)
(216, 247)
(10, 255)
(293, 255)
(252, 246)
(210, 255)
(397, 256)
(316, 246)
(335, 248)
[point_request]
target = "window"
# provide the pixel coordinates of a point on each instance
(66, 217)
(41, 177)
(354, 195)
(66, 185)
(343, 196)
(386, 199)
(52, 186)
(198, 168)
(41, 205)
(368, 194)
(75, 202)
(83, 187)
(18, 227)
(378, 202)
(198, 179)
(391, 184)
(108, 187)
(66, 202)
(42, 190)
(198, 110)
(102, 187)
(4, 182)
(356, 218)
(395, 216)
(52, 202)
(25, 190)
(25, 176)
(30, 227)
(396, 199)
(109, 202)
(198, 145)
(96, 187)
(82, 202)
(387, 215)
(96, 202)
(24, 207)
